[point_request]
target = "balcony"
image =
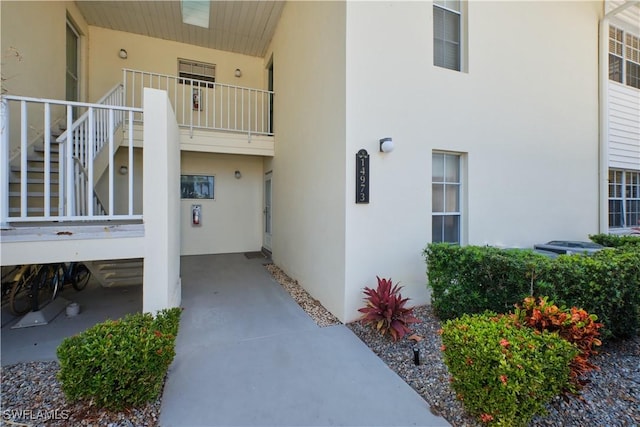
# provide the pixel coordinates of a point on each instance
(213, 117)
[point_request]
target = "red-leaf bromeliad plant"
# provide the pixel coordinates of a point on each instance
(386, 309)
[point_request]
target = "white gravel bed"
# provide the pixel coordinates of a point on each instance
(310, 305)
(31, 396)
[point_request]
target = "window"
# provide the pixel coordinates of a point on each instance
(624, 198)
(196, 187)
(624, 57)
(196, 73)
(447, 34)
(445, 198)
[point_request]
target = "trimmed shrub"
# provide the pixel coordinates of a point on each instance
(120, 363)
(606, 284)
(472, 279)
(504, 374)
(386, 309)
(574, 325)
(615, 241)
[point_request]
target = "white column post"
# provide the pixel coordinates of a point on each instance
(161, 203)
(4, 161)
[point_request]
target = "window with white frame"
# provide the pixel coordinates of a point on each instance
(447, 22)
(624, 57)
(624, 198)
(196, 73)
(446, 188)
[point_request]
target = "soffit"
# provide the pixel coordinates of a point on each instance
(244, 27)
(630, 16)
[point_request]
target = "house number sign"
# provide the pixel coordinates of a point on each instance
(362, 176)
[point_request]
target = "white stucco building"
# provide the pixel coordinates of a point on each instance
(512, 124)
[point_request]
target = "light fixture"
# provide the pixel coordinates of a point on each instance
(386, 145)
(123, 54)
(238, 72)
(123, 170)
(237, 174)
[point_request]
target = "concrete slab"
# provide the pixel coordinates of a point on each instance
(43, 316)
(97, 304)
(228, 298)
(248, 355)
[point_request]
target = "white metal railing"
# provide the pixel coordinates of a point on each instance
(79, 129)
(29, 192)
(206, 105)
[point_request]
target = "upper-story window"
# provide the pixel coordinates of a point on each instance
(624, 57)
(195, 70)
(447, 34)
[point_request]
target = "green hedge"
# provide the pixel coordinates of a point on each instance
(473, 279)
(120, 363)
(615, 241)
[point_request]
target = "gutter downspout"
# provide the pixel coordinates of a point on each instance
(603, 79)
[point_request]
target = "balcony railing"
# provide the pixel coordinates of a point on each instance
(206, 105)
(55, 179)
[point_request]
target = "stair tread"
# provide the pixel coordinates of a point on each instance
(34, 169)
(31, 181)
(32, 194)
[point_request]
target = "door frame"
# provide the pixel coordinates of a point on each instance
(267, 212)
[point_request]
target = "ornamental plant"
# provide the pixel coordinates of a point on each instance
(121, 363)
(503, 373)
(574, 325)
(385, 309)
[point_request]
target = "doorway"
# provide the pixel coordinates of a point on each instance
(266, 241)
(72, 74)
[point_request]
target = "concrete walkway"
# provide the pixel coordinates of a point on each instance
(248, 355)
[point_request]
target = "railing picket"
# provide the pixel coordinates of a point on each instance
(23, 159)
(47, 160)
(69, 167)
(130, 162)
(92, 147)
(111, 166)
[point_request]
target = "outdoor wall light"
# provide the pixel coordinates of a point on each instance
(238, 72)
(123, 54)
(386, 145)
(123, 170)
(237, 174)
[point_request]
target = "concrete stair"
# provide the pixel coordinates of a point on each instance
(35, 180)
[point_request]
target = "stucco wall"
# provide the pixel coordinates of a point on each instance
(33, 57)
(33, 47)
(160, 56)
(525, 114)
(232, 221)
(121, 182)
(308, 52)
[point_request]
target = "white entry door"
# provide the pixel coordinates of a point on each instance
(266, 241)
